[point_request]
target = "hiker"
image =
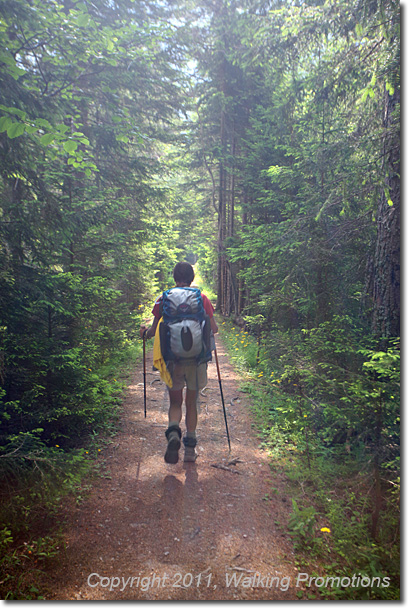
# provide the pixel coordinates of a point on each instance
(191, 371)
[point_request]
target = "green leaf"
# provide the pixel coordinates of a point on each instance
(5, 123)
(70, 146)
(62, 128)
(364, 96)
(359, 30)
(389, 88)
(83, 19)
(12, 110)
(43, 123)
(16, 72)
(47, 139)
(15, 130)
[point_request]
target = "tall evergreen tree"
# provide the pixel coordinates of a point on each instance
(89, 92)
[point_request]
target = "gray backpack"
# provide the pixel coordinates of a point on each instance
(185, 332)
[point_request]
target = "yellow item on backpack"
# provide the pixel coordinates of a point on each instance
(159, 362)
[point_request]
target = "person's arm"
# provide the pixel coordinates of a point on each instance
(151, 330)
(210, 311)
(157, 313)
(214, 326)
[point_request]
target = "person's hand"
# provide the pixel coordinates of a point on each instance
(143, 329)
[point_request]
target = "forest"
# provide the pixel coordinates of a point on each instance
(260, 141)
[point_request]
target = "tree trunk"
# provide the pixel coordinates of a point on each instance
(386, 267)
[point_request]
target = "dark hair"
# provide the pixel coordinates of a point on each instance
(184, 272)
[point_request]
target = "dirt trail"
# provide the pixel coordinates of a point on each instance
(187, 531)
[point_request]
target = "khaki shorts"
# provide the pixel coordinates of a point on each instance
(194, 376)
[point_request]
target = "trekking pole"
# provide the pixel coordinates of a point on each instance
(222, 397)
(145, 374)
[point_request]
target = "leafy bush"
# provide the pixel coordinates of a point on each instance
(327, 408)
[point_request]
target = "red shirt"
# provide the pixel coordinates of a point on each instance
(156, 311)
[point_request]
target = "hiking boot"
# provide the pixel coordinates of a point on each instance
(190, 454)
(173, 434)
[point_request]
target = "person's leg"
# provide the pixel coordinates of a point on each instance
(191, 415)
(173, 432)
(196, 378)
(175, 406)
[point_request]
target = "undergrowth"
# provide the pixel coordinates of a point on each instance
(331, 481)
(39, 477)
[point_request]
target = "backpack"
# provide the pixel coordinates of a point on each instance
(185, 331)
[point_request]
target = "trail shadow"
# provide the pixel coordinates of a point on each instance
(172, 492)
(191, 477)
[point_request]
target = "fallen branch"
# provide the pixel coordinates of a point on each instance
(235, 461)
(225, 468)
